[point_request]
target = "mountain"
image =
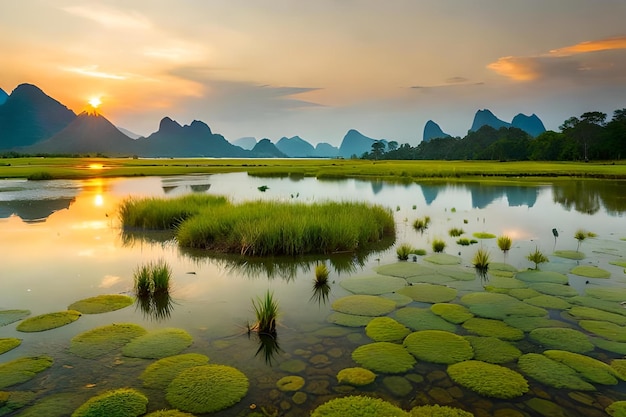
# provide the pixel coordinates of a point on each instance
(3, 96)
(247, 142)
(529, 124)
(128, 133)
(266, 149)
(295, 147)
(326, 150)
(88, 133)
(355, 143)
(29, 115)
(487, 118)
(432, 131)
(194, 140)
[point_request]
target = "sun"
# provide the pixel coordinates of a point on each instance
(95, 102)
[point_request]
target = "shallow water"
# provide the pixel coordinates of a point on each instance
(60, 242)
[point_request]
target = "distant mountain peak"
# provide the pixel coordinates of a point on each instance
(433, 131)
(3, 96)
(486, 117)
(530, 124)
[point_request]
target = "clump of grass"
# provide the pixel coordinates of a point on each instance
(40, 176)
(438, 245)
(466, 242)
(419, 252)
(152, 278)
(397, 208)
(421, 224)
(581, 235)
(504, 243)
(453, 210)
(266, 312)
(263, 188)
(456, 232)
(537, 257)
(321, 274)
(414, 207)
(481, 259)
(404, 250)
(321, 289)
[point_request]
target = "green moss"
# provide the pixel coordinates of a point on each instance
(458, 273)
(589, 271)
(443, 259)
(499, 306)
(542, 276)
(569, 254)
(589, 369)
(593, 302)
(158, 344)
(548, 301)
(559, 290)
(609, 345)
(404, 269)
(437, 410)
(523, 293)
(124, 402)
(588, 313)
(386, 329)
(55, 405)
(373, 285)
(290, 383)
(11, 401)
(399, 299)
(10, 343)
(168, 413)
(348, 320)
(11, 316)
(207, 388)
(438, 346)
(364, 305)
(616, 409)
(435, 278)
(610, 331)
(159, 374)
(23, 369)
(483, 235)
(552, 373)
(561, 338)
(530, 323)
(101, 304)
(488, 379)
(616, 294)
(384, 357)
(358, 406)
(356, 376)
(546, 408)
(97, 342)
(619, 366)
(454, 313)
(493, 350)
(506, 283)
(399, 386)
(494, 328)
(429, 293)
(619, 263)
(48, 321)
(422, 319)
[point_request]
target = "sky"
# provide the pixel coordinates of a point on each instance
(316, 69)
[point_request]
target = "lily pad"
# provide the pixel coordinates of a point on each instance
(101, 304)
(422, 319)
(55, 405)
(488, 379)
(499, 306)
(48, 321)
(429, 293)
(399, 386)
(400, 300)
(207, 388)
(348, 320)
(23, 369)
(168, 413)
(607, 293)
(523, 293)
(454, 313)
(373, 285)
(618, 263)
(483, 235)
(358, 406)
(554, 289)
(159, 374)
(105, 339)
(290, 383)
(569, 254)
(548, 301)
(458, 273)
(437, 346)
(507, 283)
(542, 276)
(593, 302)
(530, 323)
(356, 376)
(430, 279)
(124, 402)
(437, 410)
(610, 331)
(552, 373)
(384, 357)
(158, 344)
(561, 338)
(364, 305)
(11, 316)
(609, 345)
(404, 269)
(10, 343)
(494, 328)
(619, 365)
(443, 259)
(588, 313)
(386, 329)
(590, 369)
(589, 271)
(617, 408)
(493, 350)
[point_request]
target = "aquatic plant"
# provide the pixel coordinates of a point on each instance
(495, 328)
(7, 344)
(552, 373)
(588, 313)
(590, 271)
(40, 176)
(455, 232)
(373, 284)
(11, 316)
(263, 188)
(398, 385)
(616, 409)
(484, 235)
(438, 245)
(168, 413)
(97, 342)
(48, 321)
(559, 290)
(23, 369)
(356, 376)
(537, 258)
(386, 329)
(454, 313)
(481, 261)
(364, 305)
(421, 224)
(499, 306)
(417, 318)
(358, 406)
(348, 320)
(590, 369)
(569, 254)
(443, 259)
(548, 301)
(152, 278)
(268, 348)
(158, 344)
(542, 276)
(429, 293)
(403, 251)
(384, 357)
(159, 374)
(561, 338)
(493, 350)
(437, 410)
(610, 331)
(124, 402)
(466, 242)
(504, 243)
(321, 291)
(321, 273)
(101, 303)
(607, 293)
(438, 346)
(488, 379)
(290, 383)
(581, 235)
(266, 313)
(404, 269)
(207, 388)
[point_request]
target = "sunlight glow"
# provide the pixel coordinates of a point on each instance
(98, 200)
(96, 166)
(95, 102)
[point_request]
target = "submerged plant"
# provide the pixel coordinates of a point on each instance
(438, 245)
(266, 312)
(456, 232)
(537, 257)
(404, 250)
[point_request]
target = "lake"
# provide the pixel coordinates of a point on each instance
(61, 242)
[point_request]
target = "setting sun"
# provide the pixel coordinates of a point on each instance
(95, 102)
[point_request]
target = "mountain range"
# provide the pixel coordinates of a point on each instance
(33, 122)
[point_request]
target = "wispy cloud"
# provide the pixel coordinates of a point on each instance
(591, 46)
(92, 71)
(110, 18)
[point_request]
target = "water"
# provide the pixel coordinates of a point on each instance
(60, 242)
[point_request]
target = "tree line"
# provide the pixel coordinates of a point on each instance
(584, 138)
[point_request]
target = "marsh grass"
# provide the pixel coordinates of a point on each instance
(504, 243)
(321, 274)
(581, 235)
(537, 257)
(456, 232)
(151, 278)
(266, 312)
(404, 250)
(438, 245)
(481, 259)
(421, 224)
(321, 289)
(466, 242)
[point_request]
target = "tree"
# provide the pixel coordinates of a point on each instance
(378, 149)
(392, 146)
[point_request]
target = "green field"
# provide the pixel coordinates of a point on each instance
(75, 168)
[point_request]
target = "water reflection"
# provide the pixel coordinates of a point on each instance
(321, 292)
(589, 196)
(32, 211)
(156, 306)
(268, 348)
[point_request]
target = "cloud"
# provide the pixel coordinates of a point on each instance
(591, 46)
(456, 80)
(92, 71)
(109, 18)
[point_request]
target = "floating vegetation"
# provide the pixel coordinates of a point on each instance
(488, 379)
(570, 254)
(607, 293)
(504, 243)
(398, 385)
(438, 346)
(386, 329)
(290, 383)
(168, 413)
(561, 338)
(610, 331)
(493, 350)
(403, 251)
(266, 313)
(384, 357)
(373, 285)
(11, 316)
(559, 290)
(495, 328)
(616, 409)
(429, 293)
(581, 235)
(552, 373)
(484, 235)
(590, 369)
(55, 405)
(437, 410)
(23, 369)
(548, 301)
(159, 374)
(321, 289)
(7, 344)
(321, 273)
(263, 188)
(364, 305)
(101, 304)
(404, 269)
(455, 232)
(481, 261)
(207, 388)
(588, 313)
(466, 242)
(48, 321)
(542, 276)
(421, 224)
(357, 376)
(537, 257)
(98, 342)
(422, 319)
(158, 344)
(293, 366)
(358, 406)
(499, 306)
(589, 271)
(124, 402)
(598, 303)
(454, 313)
(438, 245)
(268, 347)
(348, 320)
(443, 259)
(152, 278)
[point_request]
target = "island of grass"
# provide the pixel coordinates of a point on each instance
(262, 228)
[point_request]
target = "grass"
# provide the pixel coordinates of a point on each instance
(466, 242)
(456, 232)
(581, 235)
(266, 312)
(321, 274)
(504, 243)
(421, 224)
(537, 257)
(481, 259)
(404, 250)
(438, 245)
(152, 278)
(484, 235)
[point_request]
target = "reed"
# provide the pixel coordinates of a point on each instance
(403, 251)
(143, 287)
(438, 245)
(581, 235)
(152, 278)
(481, 259)
(456, 232)
(266, 312)
(537, 257)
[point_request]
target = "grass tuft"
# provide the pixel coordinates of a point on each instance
(438, 245)
(537, 257)
(266, 312)
(404, 250)
(456, 232)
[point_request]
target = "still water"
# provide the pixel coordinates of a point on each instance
(60, 241)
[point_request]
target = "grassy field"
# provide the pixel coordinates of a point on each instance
(75, 168)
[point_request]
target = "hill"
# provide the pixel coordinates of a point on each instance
(355, 143)
(266, 149)
(432, 131)
(295, 147)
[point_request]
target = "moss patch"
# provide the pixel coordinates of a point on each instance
(158, 344)
(590, 369)
(23, 369)
(386, 329)
(11, 401)
(616, 409)
(542, 276)
(207, 388)
(458, 273)
(364, 305)
(552, 373)
(493, 350)
(610, 331)
(589, 271)
(437, 410)
(438, 346)
(356, 376)
(506, 283)
(399, 386)
(488, 379)
(499, 306)
(494, 328)
(607, 293)
(101, 304)
(523, 293)
(11, 316)
(358, 406)
(429, 293)
(348, 320)
(168, 413)
(384, 357)
(554, 289)
(125, 402)
(48, 321)
(443, 259)
(609, 345)
(483, 235)
(159, 374)
(454, 313)
(399, 299)
(10, 343)
(561, 338)
(548, 301)
(569, 254)
(530, 323)
(619, 366)
(290, 383)
(422, 319)
(105, 339)
(593, 302)
(588, 313)
(373, 285)
(55, 405)
(404, 269)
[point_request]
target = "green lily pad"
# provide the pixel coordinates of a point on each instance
(617, 408)
(55, 405)
(23, 369)
(98, 342)
(499, 306)
(207, 388)
(437, 346)
(542, 276)
(619, 366)
(569, 254)
(530, 323)
(552, 373)
(589, 271)
(386, 329)
(443, 259)
(422, 319)
(488, 379)
(290, 383)
(168, 413)
(493, 350)
(124, 402)
(458, 273)
(590, 369)
(159, 374)
(610, 306)
(494, 328)
(437, 410)
(358, 406)
(158, 344)
(548, 301)
(10, 343)
(507, 283)
(561, 338)
(384, 357)
(483, 235)
(588, 313)
(607, 293)
(429, 293)
(454, 313)
(399, 299)
(364, 305)
(404, 269)
(609, 345)
(48, 321)
(293, 366)
(559, 290)
(101, 303)
(373, 285)
(11, 316)
(436, 278)
(348, 320)
(356, 376)
(610, 331)
(523, 293)
(618, 263)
